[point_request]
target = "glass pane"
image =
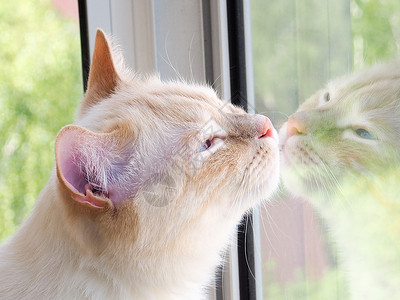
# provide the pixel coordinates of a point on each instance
(298, 46)
(40, 86)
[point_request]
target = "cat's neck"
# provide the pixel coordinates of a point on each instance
(44, 249)
(25, 255)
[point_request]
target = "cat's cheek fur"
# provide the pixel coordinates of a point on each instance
(298, 164)
(266, 175)
(260, 178)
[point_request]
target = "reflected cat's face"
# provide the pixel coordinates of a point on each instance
(350, 128)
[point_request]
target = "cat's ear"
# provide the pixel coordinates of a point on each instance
(103, 76)
(84, 162)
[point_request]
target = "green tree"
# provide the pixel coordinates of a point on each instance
(40, 85)
(376, 31)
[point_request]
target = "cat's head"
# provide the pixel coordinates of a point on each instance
(150, 159)
(349, 129)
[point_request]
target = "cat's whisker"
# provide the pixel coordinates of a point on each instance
(270, 112)
(245, 245)
(280, 192)
(215, 81)
(169, 62)
(272, 225)
(335, 184)
(190, 59)
(278, 122)
(280, 231)
(315, 184)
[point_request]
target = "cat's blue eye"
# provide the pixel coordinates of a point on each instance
(364, 134)
(205, 146)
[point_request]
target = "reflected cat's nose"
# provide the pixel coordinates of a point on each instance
(294, 126)
(264, 127)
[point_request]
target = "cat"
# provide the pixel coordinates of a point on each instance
(341, 150)
(149, 185)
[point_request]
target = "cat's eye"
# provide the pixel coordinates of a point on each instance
(207, 144)
(326, 97)
(365, 134)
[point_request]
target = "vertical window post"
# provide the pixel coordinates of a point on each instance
(239, 96)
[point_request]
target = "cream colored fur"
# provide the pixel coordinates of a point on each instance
(156, 213)
(353, 180)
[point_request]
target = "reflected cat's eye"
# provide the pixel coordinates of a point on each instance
(207, 144)
(364, 134)
(324, 98)
(327, 97)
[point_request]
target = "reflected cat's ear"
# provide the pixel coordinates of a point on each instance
(103, 77)
(85, 163)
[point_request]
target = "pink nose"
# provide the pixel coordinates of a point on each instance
(265, 127)
(294, 126)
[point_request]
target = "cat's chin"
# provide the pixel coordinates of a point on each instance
(302, 181)
(266, 190)
(262, 192)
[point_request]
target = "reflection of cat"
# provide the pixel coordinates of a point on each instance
(341, 149)
(146, 194)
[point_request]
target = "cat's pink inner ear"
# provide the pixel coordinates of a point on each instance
(71, 159)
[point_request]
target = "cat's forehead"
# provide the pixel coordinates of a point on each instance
(154, 86)
(379, 80)
(148, 103)
(180, 101)
(369, 98)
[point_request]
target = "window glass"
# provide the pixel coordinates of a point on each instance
(40, 86)
(298, 46)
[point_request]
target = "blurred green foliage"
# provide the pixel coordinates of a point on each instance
(299, 45)
(376, 31)
(40, 86)
(302, 286)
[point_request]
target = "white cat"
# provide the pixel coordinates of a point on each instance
(149, 185)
